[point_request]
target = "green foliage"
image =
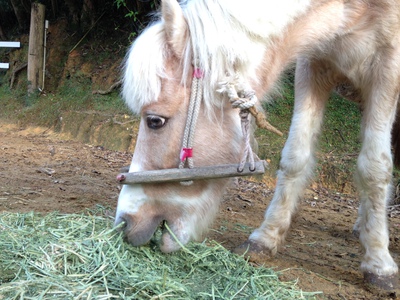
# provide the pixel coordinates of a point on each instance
(138, 11)
(6, 6)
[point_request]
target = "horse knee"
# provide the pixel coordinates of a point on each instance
(295, 163)
(374, 170)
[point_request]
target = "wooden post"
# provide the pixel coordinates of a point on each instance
(35, 52)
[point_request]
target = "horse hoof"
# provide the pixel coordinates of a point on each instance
(356, 233)
(387, 284)
(253, 251)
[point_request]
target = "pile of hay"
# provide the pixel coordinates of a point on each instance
(80, 256)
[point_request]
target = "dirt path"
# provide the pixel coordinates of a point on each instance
(40, 171)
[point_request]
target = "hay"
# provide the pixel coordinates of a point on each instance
(80, 256)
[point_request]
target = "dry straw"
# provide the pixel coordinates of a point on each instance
(80, 256)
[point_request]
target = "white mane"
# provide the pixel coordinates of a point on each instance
(144, 68)
(227, 37)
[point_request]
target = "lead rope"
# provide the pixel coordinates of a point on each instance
(244, 102)
(243, 97)
(186, 155)
(248, 154)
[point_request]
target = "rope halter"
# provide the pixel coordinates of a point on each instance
(241, 96)
(186, 155)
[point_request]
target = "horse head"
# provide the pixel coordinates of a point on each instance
(157, 85)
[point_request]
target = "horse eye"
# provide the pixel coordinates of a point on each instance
(155, 122)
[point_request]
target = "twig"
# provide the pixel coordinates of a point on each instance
(262, 122)
(109, 90)
(77, 44)
(14, 72)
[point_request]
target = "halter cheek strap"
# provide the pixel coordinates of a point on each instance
(186, 154)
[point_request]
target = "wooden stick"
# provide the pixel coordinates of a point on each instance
(261, 121)
(208, 172)
(14, 72)
(109, 90)
(77, 44)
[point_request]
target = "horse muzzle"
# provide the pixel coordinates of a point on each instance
(137, 231)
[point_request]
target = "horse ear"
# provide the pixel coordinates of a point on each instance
(176, 28)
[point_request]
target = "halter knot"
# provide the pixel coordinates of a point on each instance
(243, 97)
(244, 103)
(186, 153)
(198, 73)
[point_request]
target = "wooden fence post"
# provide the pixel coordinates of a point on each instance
(35, 53)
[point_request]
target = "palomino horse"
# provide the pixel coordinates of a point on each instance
(335, 43)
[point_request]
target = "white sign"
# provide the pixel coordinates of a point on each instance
(8, 45)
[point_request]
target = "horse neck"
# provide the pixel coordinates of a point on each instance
(306, 33)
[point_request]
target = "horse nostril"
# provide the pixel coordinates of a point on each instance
(121, 224)
(137, 231)
(126, 223)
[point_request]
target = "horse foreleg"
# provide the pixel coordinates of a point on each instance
(374, 175)
(312, 88)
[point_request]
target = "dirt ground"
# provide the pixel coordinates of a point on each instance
(41, 171)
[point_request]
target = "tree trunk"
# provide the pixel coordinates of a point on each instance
(88, 13)
(73, 15)
(2, 35)
(36, 51)
(54, 8)
(20, 13)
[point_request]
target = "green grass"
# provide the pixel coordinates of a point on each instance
(45, 110)
(80, 256)
(339, 142)
(340, 131)
(341, 128)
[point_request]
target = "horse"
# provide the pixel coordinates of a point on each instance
(351, 46)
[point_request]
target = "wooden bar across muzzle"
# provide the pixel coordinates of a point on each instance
(208, 172)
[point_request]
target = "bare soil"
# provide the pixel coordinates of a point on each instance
(40, 171)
